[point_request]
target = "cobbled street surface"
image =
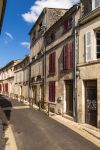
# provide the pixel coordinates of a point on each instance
(34, 130)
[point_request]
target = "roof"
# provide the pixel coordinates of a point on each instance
(9, 64)
(21, 61)
(70, 11)
(42, 13)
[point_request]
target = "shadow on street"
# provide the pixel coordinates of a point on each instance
(6, 106)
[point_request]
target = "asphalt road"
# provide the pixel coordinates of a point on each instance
(33, 130)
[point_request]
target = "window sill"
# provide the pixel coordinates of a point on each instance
(96, 61)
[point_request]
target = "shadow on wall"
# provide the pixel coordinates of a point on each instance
(6, 106)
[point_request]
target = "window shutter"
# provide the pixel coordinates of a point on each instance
(0, 87)
(53, 91)
(71, 55)
(49, 63)
(66, 64)
(88, 46)
(93, 4)
(53, 62)
(49, 91)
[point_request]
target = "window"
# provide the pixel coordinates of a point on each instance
(68, 24)
(52, 58)
(95, 4)
(98, 44)
(52, 91)
(68, 56)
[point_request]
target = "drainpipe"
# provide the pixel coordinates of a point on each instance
(74, 72)
(44, 58)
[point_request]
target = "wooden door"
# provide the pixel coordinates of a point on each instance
(69, 97)
(91, 103)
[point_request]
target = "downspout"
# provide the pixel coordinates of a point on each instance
(74, 71)
(44, 58)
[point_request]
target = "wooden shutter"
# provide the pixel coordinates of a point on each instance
(71, 55)
(53, 62)
(6, 87)
(0, 87)
(50, 63)
(93, 4)
(52, 91)
(49, 91)
(88, 46)
(66, 59)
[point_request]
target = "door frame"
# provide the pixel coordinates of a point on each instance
(85, 81)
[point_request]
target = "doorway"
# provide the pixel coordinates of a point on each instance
(69, 97)
(91, 102)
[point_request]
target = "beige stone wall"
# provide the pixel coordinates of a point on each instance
(87, 70)
(59, 77)
(90, 26)
(25, 91)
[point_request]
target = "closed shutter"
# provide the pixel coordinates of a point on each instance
(66, 59)
(3, 87)
(71, 55)
(52, 91)
(53, 62)
(88, 46)
(0, 87)
(50, 63)
(6, 87)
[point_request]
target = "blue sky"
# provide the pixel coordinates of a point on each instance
(14, 31)
(19, 18)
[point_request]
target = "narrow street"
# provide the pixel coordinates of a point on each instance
(33, 130)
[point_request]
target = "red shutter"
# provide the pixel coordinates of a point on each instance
(71, 55)
(53, 91)
(6, 87)
(53, 62)
(0, 87)
(50, 91)
(49, 63)
(67, 56)
(3, 88)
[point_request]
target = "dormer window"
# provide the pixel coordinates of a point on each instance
(95, 4)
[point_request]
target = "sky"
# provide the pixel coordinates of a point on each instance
(20, 16)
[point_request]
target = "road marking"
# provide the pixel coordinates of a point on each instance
(15, 107)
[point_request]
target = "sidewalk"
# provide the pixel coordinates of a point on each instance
(78, 128)
(11, 143)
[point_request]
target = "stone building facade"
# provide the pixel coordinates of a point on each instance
(7, 79)
(21, 73)
(46, 19)
(88, 81)
(60, 54)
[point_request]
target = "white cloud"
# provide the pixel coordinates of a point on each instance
(26, 45)
(9, 36)
(32, 15)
